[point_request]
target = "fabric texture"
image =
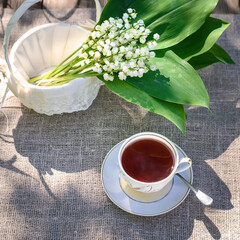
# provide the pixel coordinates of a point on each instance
(50, 167)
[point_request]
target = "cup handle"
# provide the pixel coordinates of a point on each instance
(185, 167)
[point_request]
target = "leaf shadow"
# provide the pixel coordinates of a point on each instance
(9, 165)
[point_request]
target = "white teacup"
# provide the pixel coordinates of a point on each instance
(149, 187)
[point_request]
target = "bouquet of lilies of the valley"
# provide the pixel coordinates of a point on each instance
(148, 52)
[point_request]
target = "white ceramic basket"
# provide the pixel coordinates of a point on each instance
(42, 48)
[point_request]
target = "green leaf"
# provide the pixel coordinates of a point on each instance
(173, 112)
(221, 54)
(202, 40)
(214, 55)
(174, 20)
(147, 10)
(176, 81)
(181, 22)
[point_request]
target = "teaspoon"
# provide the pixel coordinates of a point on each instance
(205, 199)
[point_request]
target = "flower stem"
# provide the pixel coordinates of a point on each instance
(66, 67)
(59, 68)
(66, 79)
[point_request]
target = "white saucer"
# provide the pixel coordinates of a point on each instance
(143, 204)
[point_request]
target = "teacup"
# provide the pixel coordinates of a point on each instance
(148, 161)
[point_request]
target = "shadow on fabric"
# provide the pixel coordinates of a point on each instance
(79, 141)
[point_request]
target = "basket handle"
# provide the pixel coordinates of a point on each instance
(20, 11)
(17, 15)
(98, 10)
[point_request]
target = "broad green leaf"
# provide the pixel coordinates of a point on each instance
(174, 20)
(203, 60)
(173, 112)
(181, 22)
(176, 81)
(147, 10)
(214, 55)
(221, 54)
(202, 40)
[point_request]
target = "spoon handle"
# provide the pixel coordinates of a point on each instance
(204, 198)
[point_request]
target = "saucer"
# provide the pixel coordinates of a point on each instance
(143, 204)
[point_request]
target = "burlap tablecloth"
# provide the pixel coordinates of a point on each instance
(50, 178)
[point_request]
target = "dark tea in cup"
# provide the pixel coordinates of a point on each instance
(147, 160)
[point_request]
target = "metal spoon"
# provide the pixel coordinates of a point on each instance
(205, 199)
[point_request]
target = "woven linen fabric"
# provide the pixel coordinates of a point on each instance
(50, 167)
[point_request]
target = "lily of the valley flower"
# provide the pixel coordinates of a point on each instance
(117, 47)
